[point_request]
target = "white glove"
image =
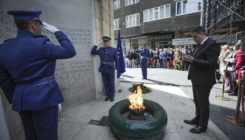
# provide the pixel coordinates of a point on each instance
(50, 28)
(98, 43)
(59, 107)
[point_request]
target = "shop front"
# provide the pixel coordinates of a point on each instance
(137, 42)
(161, 41)
(183, 42)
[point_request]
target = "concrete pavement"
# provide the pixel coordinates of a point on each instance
(171, 90)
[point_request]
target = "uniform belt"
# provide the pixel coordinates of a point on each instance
(144, 57)
(36, 83)
(107, 63)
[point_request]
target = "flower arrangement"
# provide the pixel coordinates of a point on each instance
(142, 87)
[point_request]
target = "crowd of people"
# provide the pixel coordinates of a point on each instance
(168, 58)
(230, 62)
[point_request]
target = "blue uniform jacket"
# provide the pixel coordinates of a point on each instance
(29, 58)
(164, 55)
(107, 57)
(144, 54)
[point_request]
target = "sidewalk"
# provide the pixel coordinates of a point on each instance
(73, 122)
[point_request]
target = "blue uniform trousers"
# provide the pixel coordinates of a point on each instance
(41, 124)
(109, 83)
(143, 65)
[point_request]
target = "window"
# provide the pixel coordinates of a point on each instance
(184, 7)
(180, 8)
(116, 24)
(157, 13)
(145, 13)
(150, 14)
(168, 10)
(116, 4)
(162, 12)
(133, 20)
(130, 2)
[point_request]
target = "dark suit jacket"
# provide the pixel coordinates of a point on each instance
(202, 69)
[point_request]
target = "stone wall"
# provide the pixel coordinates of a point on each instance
(84, 22)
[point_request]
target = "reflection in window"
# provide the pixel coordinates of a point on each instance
(178, 8)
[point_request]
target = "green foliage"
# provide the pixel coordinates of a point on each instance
(144, 88)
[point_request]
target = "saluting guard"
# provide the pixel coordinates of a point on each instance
(27, 65)
(144, 54)
(109, 60)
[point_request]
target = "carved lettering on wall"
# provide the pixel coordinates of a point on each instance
(81, 39)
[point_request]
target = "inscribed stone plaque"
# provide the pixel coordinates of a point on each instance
(75, 76)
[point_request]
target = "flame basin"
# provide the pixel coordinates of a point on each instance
(126, 129)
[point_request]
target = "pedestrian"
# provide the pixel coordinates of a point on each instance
(27, 66)
(108, 57)
(202, 75)
(239, 59)
(223, 54)
(144, 58)
(170, 58)
(164, 58)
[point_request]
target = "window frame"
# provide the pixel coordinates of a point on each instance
(131, 20)
(131, 2)
(182, 10)
(158, 11)
(117, 23)
(118, 4)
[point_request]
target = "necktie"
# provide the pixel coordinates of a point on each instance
(197, 48)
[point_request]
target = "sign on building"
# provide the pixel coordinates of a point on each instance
(183, 41)
(163, 37)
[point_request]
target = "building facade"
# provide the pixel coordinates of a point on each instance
(155, 22)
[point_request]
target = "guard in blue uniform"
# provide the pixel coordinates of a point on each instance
(144, 54)
(27, 65)
(108, 58)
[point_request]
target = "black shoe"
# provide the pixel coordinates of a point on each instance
(107, 98)
(191, 122)
(198, 130)
(232, 94)
(112, 99)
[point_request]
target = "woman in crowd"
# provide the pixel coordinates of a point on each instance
(183, 62)
(238, 63)
(223, 54)
(170, 58)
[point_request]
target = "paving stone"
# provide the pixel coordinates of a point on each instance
(177, 104)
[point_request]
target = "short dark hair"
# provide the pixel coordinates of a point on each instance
(23, 24)
(199, 30)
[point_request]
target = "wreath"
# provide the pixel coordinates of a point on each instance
(143, 88)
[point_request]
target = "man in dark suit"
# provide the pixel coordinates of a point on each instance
(203, 64)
